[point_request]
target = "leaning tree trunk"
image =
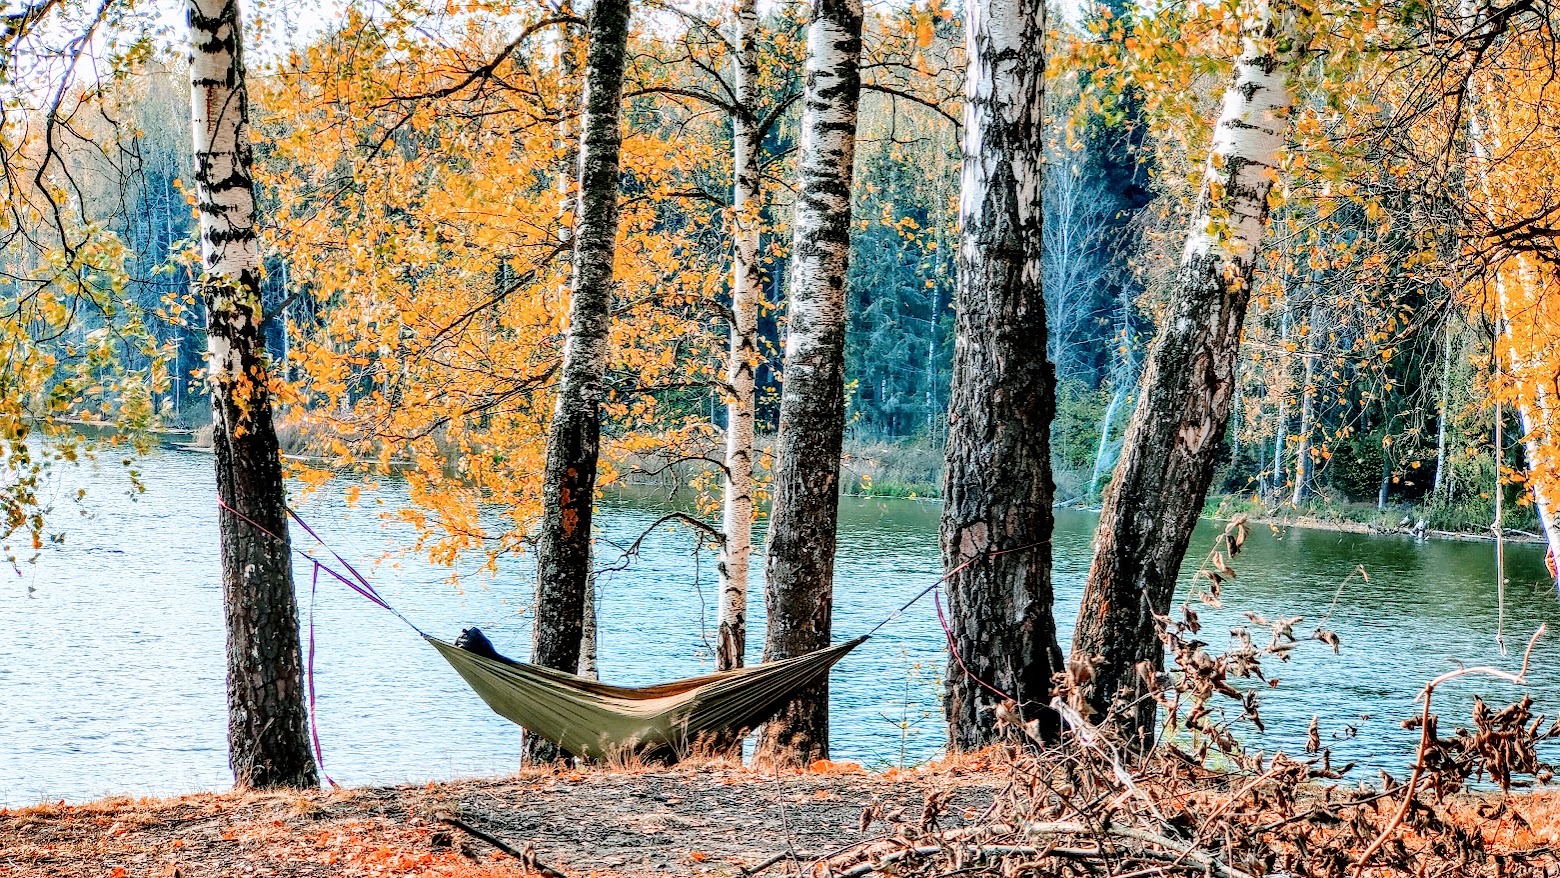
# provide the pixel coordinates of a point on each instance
(268, 739)
(742, 359)
(1536, 412)
(799, 571)
(997, 520)
(569, 480)
(1173, 441)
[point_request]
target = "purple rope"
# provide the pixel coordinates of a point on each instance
(358, 583)
(314, 715)
(367, 590)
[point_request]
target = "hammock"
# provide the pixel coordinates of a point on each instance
(593, 719)
(597, 721)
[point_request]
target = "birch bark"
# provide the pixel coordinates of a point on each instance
(1540, 426)
(998, 488)
(1104, 446)
(573, 442)
(1281, 432)
(1307, 411)
(1172, 441)
(1441, 409)
(268, 742)
(799, 564)
(742, 358)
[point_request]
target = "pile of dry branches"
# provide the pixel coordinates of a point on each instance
(1079, 810)
(1091, 806)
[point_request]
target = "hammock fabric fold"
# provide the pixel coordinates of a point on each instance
(595, 720)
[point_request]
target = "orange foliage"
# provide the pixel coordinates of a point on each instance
(423, 209)
(1514, 156)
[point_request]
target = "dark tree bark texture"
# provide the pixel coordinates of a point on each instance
(997, 520)
(799, 567)
(1173, 440)
(268, 738)
(573, 443)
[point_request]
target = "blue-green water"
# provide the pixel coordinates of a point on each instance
(111, 645)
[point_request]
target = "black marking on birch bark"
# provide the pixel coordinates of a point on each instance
(800, 558)
(267, 723)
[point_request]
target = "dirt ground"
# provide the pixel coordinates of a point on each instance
(696, 821)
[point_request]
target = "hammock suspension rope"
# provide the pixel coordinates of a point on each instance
(597, 720)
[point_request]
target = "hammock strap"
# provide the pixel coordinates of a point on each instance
(953, 650)
(314, 716)
(358, 582)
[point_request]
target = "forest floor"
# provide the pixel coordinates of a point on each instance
(722, 820)
(711, 819)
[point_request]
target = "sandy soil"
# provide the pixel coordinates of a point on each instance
(701, 820)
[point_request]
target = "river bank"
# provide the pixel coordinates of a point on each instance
(722, 819)
(912, 470)
(697, 820)
(1356, 518)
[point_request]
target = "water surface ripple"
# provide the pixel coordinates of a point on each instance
(111, 644)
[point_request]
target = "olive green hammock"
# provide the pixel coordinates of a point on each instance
(597, 721)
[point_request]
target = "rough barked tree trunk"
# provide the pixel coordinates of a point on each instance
(799, 567)
(1172, 442)
(997, 490)
(268, 739)
(573, 442)
(564, 187)
(742, 358)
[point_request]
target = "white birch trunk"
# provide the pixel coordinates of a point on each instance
(997, 495)
(742, 358)
(799, 566)
(588, 632)
(1281, 432)
(1540, 429)
(1172, 443)
(1105, 422)
(1307, 413)
(268, 744)
(1440, 428)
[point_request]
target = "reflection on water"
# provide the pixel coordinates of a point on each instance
(111, 645)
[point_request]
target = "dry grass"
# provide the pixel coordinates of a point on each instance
(1000, 812)
(704, 818)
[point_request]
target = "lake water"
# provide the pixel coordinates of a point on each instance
(112, 657)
